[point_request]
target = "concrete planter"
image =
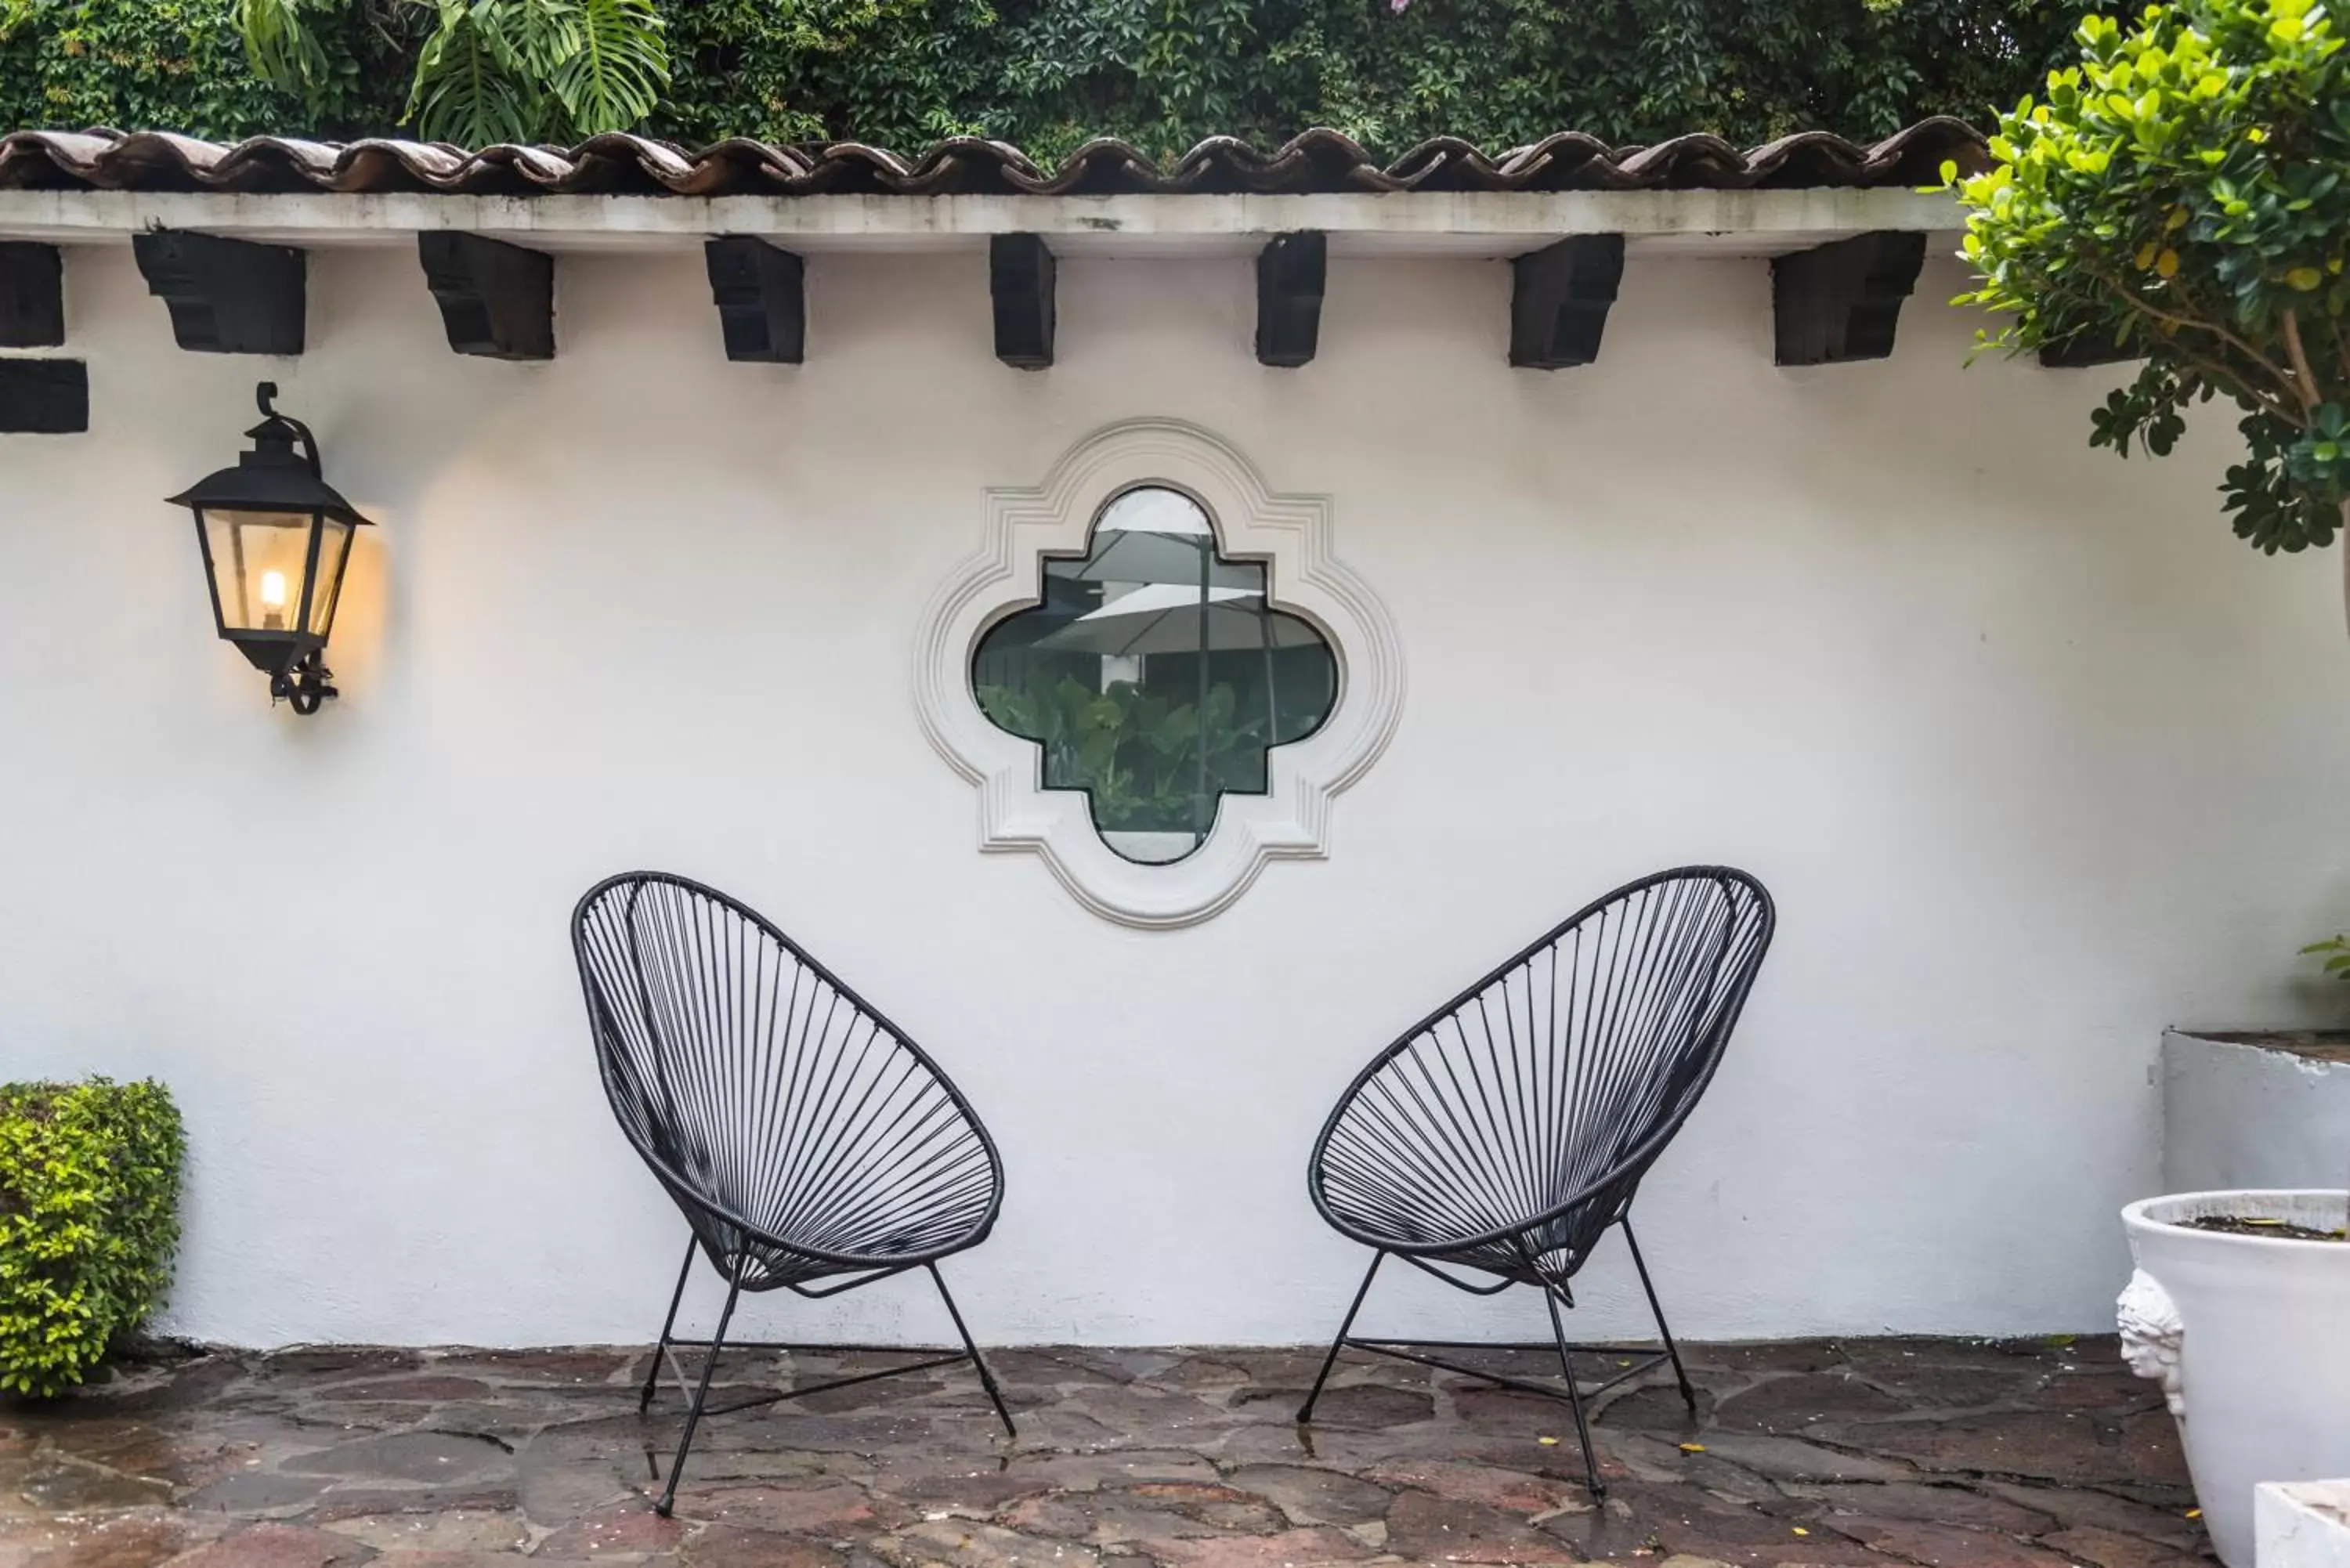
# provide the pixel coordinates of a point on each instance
(2247, 1335)
(2268, 1110)
(2305, 1525)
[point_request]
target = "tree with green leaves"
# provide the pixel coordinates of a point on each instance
(486, 70)
(2183, 194)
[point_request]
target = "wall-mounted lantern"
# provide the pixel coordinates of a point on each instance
(276, 538)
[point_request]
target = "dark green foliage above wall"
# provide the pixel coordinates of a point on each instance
(174, 64)
(1048, 74)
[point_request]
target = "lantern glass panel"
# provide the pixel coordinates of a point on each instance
(258, 560)
(334, 551)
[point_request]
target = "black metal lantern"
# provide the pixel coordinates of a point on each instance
(276, 538)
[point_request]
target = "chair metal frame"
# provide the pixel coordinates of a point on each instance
(1565, 1229)
(761, 1260)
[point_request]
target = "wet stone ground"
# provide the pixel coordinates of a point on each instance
(1858, 1452)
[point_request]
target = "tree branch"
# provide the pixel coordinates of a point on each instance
(2216, 372)
(2305, 379)
(2276, 372)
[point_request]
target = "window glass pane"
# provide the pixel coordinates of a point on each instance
(257, 562)
(1155, 676)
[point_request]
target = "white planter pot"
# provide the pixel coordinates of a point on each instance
(2303, 1524)
(2251, 1336)
(2254, 1110)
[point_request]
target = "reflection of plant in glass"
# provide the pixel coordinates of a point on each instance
(1137, 755)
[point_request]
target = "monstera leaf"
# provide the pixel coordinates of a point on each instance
(495, 71)
(611, 76)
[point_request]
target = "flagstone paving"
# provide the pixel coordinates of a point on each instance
(1937, 1453)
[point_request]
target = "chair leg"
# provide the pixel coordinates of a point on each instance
(701, 1395)
(653, 1373)
(1306, 1413)
(1575, 1399)
(1689, 1390)
(986, 1378)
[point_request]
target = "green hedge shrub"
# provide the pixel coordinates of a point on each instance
(1047, 74)
(90, 1216)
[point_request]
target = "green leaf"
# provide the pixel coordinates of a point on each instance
(465, 92)
(612, 76)
(281, 49)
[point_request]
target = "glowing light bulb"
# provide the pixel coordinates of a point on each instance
(273, 601)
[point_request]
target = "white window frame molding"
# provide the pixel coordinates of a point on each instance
(1291, 533)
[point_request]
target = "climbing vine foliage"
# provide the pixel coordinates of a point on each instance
(2184, 192)
(1043, 74)
(90, 1191)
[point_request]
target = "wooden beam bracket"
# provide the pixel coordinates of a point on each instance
(225, 297)
(497, 300)
(761, 293)
(1840, 302)
(1020, 281)
(32, 295)
(1290, 271)
(43, 397)
(1559, 300)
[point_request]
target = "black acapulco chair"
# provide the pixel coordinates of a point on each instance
(811, 1146)
(1506, 1132)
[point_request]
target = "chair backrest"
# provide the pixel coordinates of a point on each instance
(784, 1114)
(1543, 1091)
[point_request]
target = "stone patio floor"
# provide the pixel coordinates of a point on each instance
(1936, 1452)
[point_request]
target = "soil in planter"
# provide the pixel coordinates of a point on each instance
(2229, 1225)
(2310, 1044)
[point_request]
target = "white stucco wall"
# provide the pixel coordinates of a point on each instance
(2035, 757)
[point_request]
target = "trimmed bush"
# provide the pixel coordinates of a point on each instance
(90, 1216)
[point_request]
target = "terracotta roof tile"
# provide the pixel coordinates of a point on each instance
(1315, 162)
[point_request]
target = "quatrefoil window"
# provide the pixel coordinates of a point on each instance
(1155, 675)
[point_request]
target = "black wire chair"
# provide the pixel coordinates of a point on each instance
(1506, 1132)
(803, 1134)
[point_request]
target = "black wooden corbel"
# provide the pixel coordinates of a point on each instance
(225, 297)
(497, 300)
(43, 397)
(1842, 301)
(762, 298)
(1020, 281)
(1289, 275)
(32, 295)
(1559, 300)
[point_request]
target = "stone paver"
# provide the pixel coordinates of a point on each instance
(1865, 1453)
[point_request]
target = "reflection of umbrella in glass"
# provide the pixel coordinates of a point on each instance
(1165, 617)
(1155, 534)
(1132, 555)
